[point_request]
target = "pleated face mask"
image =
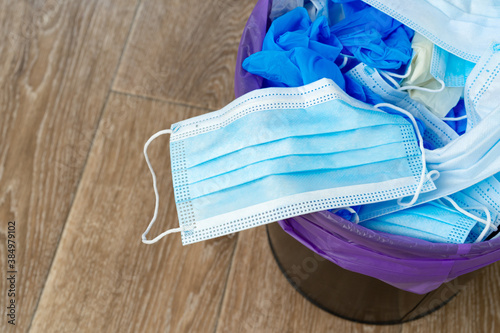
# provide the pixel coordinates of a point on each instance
(482, 87)
(465, 161)
(437, 132)
(281, 152)
(449, 68)
(462, 27)
(482, 194)
(433, 222)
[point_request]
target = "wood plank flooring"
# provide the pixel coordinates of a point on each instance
(184, 51)
(101, 260)
(83, 85)
(56, 72)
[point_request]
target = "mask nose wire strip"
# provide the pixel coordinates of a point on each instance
(423, 177)
(487, 223)
(153, 220)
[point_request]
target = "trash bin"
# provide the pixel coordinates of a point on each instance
(351, 295)
(353, 272)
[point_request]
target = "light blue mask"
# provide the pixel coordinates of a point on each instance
(497, 176)
(431, 222)
(483, 194)
(281, 152)
(437, 132)
(449, 68)
(482, 87)
(462, 27)
(463, 162)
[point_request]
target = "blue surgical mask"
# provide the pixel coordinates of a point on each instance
(477, 208)
(462, 27)
(482, 87)
(437, 132)
(472, 205)
(472, 157)
(281, 152)
(433, 222)
(465, 161)
(449, 68)
(497, 176)
(483, 194)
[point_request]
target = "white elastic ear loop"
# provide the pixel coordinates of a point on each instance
(487, 223)
(344, 62)
(423, 177)
(454, 119)
(352, 211)
(389, 76)
(153, 220)
(424, 89)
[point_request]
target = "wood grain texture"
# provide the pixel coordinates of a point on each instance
(260, 299)
(184, 50)
(475, 309)
(56, 68)
(103, 278)
(57, 62)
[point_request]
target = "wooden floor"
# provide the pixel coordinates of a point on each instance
(83, 85)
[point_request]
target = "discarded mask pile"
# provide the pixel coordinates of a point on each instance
(383, 114)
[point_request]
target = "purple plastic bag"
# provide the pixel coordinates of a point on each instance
(403, 262)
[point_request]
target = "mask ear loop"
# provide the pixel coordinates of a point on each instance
(404, 88)
(350, 210)
(424, 89)
(155, 215)
(487, 223)
(389, 76)
(344, 62)
(454, 119)
(424, 177)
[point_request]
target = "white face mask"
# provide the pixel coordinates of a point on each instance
(465, 161)
(483, 87)
(465, 28)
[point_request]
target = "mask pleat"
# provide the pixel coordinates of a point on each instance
(298, 146)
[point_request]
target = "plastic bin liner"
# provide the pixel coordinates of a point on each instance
(407, 263)
(251, 42)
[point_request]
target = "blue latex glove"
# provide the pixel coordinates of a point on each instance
(344, 213)
(293, 68)
(296, 52)
(375, 38)
(295, 29)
